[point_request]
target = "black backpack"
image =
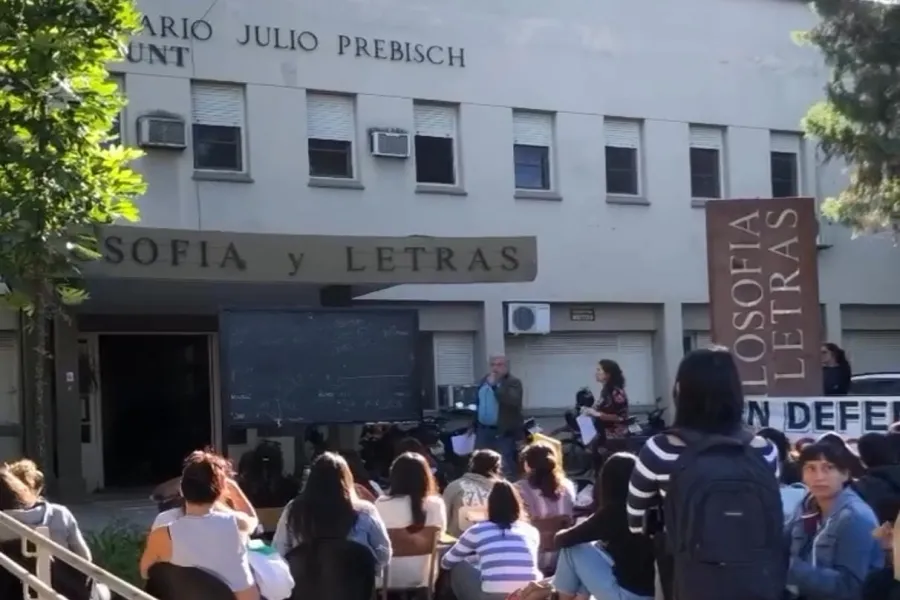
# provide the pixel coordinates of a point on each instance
(724, 521)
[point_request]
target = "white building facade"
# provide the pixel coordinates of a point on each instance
(600, 128)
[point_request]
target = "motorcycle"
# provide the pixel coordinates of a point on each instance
(260, 475)
(380, 443)
(579, 460)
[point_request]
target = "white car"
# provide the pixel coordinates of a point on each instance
(875, 384)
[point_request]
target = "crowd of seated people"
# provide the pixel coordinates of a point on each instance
(488, 538)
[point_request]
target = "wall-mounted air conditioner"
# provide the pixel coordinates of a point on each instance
(528, 318)
(390, 143)
(158, 131)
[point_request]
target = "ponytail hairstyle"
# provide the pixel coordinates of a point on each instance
(544, 471)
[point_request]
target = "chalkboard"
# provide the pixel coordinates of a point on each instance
(319, 366)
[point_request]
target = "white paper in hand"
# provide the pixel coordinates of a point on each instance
(587, 429)
(463, 444)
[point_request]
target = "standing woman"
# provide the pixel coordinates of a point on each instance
(836, 370)
(611, 411)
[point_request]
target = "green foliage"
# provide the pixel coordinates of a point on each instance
(61, 175)
(859, 121)
(117, 548)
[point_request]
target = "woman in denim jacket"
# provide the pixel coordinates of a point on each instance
(832, 548)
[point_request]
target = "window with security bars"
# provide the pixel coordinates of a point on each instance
(218, 121)
(331, 127)
(435, 143)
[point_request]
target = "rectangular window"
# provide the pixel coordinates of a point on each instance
(330, 129)
(218, 122)
(532, 143)
(706, 162)
(623, 151)
(785, 162)
(435, 141)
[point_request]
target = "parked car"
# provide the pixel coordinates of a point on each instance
(875, 384)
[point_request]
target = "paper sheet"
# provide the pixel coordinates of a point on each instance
(587, 429)
(463, 444)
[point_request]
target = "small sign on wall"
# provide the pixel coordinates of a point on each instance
(581, 314)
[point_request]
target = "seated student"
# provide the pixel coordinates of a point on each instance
(233, 499)
(600, 557)
(505, 546)
(21, 485)
(468, 495)
(545, 490)
(328, 508)
(412, 503)
(202, 537)
(832, 547)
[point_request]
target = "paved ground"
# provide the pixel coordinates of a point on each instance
(97, 514)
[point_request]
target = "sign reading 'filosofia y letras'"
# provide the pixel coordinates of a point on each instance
(167, 41)
(135, 252)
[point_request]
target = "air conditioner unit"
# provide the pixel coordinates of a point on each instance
(450, 396)
(161, 132)
(390, 144)
(527, 318)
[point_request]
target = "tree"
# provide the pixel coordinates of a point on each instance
(62, 174)
(859, 121)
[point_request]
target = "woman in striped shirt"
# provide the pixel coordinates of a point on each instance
(708, 399)
(505, 548)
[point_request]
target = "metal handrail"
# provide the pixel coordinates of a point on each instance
(116, 585)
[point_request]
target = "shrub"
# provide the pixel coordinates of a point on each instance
(117, 548)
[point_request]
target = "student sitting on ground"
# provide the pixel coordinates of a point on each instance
(328, 508)
(466, 497)
(546, 491)
(21, 486)
(506, 548)
(832, 547)
(600, 557)
(201, 536)
(412, 503)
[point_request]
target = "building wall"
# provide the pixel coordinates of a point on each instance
(581, 61)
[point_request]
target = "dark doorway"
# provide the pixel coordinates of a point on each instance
(155, 392)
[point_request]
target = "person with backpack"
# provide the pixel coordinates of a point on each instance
(707, 491)
(833, 549)
(880, 484)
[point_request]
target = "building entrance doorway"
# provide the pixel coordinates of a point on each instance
(156, 405)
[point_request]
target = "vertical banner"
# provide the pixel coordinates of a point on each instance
(764, 292)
